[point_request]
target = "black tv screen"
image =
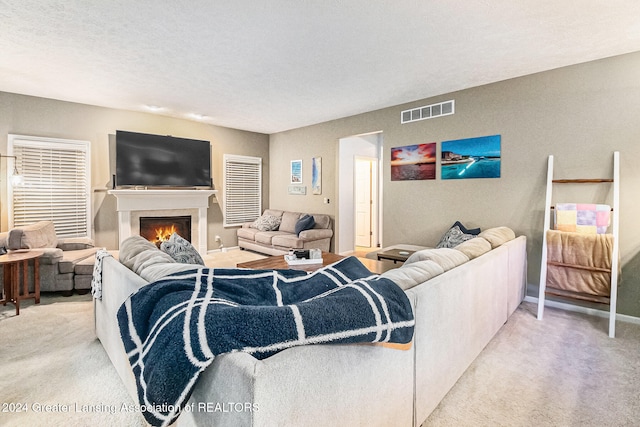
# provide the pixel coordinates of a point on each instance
(161, 161)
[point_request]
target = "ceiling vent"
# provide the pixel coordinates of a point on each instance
(428, 112)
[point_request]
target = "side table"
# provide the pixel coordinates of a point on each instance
(16, 267)
(395, 255)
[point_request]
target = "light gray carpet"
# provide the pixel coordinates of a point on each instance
(563, 371)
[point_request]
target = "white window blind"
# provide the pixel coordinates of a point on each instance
(56, 184)
(242, 187)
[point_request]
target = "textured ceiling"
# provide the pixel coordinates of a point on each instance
(282, 64)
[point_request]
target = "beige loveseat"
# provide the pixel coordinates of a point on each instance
(66, 264)
(284, 238)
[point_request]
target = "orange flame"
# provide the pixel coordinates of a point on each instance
(163, 233)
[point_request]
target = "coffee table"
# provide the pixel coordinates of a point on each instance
(395, 255)
(12, 263)
(277, 262)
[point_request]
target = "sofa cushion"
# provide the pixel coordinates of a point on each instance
(453, 237)
(264, 237)
(85, 267)
(51, 256)
(290, 241)
(413, 274)
(267, 222)
(498, 235)
(289, 221)
(248, 233)
(181, 250)
(305, 223)
(71, 258)
(137, 253)
(39, 235)
(473, 248)
(444, 257)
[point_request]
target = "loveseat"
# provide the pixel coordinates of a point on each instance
(66, 263)
(460, 298)
(275, 233)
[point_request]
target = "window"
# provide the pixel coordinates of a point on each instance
(242, 189)
(56, 186)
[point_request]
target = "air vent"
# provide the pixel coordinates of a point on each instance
(428, 112)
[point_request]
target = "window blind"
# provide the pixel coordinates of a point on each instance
(56, 184)
(242, 189)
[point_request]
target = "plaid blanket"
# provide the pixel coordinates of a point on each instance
(172, 329)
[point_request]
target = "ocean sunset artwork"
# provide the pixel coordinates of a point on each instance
(413, 162)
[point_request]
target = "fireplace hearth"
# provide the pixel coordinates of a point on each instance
(158, 229)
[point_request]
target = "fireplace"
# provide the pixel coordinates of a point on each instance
(134, 204)
(158, 229)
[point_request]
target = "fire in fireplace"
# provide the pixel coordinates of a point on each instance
(159, 229)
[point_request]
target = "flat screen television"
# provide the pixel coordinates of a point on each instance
(161, 161)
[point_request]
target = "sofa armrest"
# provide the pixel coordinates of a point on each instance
(315, 234)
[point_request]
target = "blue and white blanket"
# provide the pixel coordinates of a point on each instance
(172, 329)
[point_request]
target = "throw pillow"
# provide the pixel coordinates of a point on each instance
(181, 250)
(474, 231)
(267, 223)
(453, 237)
(307, 222)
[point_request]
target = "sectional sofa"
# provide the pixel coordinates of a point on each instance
(460, 297)
(66, 264)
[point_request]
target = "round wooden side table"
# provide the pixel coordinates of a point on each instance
(16, 266)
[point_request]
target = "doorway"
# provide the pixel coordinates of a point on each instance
(352, 201)
(365, 199)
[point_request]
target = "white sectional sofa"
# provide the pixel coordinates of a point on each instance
(461, 297)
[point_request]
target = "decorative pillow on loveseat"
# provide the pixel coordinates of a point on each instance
(305, 223)
(267, 222)
(181, 250)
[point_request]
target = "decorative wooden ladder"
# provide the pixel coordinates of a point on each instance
(615, 229)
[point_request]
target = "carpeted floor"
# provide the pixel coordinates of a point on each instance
(563, 371)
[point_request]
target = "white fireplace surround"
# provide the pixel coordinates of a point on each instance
(132, 204)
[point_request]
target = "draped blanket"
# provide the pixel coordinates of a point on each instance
(172, 329)
(579, 262)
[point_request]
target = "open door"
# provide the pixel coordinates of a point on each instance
(365, 179)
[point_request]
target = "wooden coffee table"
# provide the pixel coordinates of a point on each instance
(277, 262)
(12, 263)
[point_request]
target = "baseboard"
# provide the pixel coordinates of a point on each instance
(584, 310)
(232, 248)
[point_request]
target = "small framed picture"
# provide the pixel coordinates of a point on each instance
(296, 171)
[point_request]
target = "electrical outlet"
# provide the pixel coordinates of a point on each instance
(218, 239)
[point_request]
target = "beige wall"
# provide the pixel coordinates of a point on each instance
(25, 115)
(580, 114)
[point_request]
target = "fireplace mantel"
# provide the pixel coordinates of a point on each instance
(129, 201)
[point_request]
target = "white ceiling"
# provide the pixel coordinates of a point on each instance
(281, 64)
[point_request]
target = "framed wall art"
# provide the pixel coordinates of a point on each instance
(471, 158)
(316, 175)
(413, 162)
(296, 171)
